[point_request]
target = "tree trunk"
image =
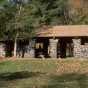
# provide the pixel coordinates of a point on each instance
(15, 42)
(15, 47)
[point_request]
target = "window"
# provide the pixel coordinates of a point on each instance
(39, 45)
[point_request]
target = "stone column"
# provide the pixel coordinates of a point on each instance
(2, 50)
(30, 52)
(77, 48)
(84, 51)
(53, 47)
(32, 48)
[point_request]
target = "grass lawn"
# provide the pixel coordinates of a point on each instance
(67, 73)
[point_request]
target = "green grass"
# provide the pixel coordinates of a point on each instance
(68, 73)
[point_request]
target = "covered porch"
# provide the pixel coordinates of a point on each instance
(63, 41)
(60, 47)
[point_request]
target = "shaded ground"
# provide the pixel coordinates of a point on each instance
(44, 74)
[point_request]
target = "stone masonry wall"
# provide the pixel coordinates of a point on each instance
(53, 48)
(30, 52)
(84, 51)
(77, 47)
(26, 51)
(80, 50)
(2, 50)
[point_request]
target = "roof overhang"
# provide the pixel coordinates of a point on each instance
(64, 31)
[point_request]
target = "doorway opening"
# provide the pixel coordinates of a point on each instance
(65, 48)
(41, 47)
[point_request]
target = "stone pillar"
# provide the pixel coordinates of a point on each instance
(84, 51)
(53, 47)
(30, 50)
(2, 50)
(77, 48)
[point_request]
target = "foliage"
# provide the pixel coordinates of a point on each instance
(14, 19)
(79, 17)
(35, 14)
(6, 14)
(48, 12)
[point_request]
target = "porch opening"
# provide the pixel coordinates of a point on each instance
(65, 48)
(41, 47)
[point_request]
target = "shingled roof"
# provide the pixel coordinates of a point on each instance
(64, 31)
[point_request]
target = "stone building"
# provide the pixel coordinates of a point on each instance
(52, 42)
(63, 41)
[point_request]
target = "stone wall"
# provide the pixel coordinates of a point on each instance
(26, 50)
(53, 47)
(30, 51)
(80, 50)
(84, 51)
(77, 47)
(2, 50)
